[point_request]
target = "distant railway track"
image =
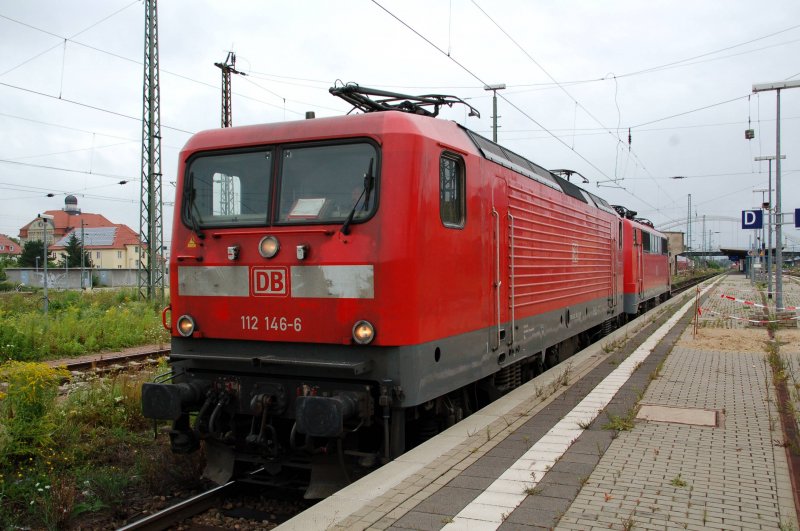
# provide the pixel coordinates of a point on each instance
(683, 285)
(109, 361)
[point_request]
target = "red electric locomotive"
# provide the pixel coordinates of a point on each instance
(343, 288)
(647, 273)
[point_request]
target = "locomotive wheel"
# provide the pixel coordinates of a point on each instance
(551, 359)
(538, 367)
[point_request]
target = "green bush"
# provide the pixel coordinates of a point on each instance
(63, 457)
(26, 420)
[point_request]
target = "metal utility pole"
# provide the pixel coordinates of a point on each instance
(45, 218)
(777, 87)
(494, 89)
(83, 254)
(228, 68)
(769, 158)
(226, 182)
(704, 234)
(689, 225)
(763, 236)
(151, 274)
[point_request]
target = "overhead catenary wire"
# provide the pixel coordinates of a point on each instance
(684, 113)
(588, 131)
(64, 39)
(76, 150)
(551, 85)
(619, 141)
(513, 105)
(136, 62)
(36, 191)
(478, 78)
(94, 107)
(47, 167)
(71, 128)
(275, 78)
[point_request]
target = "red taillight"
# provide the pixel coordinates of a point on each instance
(164, 316)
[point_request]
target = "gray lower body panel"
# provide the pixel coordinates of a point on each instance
(633, 300)
(424, 371)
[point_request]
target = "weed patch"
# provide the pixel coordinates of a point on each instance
(621, 422)
(62, 459)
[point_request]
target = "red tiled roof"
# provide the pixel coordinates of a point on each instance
(8, 247)
(123, 235)
(64, 223)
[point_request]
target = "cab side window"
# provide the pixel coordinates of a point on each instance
(452, 203)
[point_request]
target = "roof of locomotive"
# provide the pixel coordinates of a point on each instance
(644, 226)
(375, 124)
(380, 124)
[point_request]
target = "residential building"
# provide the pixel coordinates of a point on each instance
(8, 247)
(115, 247)
(110, 245)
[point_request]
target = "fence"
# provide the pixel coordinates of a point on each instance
(58, 278)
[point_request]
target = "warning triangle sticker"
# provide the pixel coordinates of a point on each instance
(192, 244)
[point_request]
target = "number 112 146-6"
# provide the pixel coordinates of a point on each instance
(281, 324)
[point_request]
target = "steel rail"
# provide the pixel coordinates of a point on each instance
(180, 511)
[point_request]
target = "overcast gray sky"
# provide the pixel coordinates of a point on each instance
(579, 75)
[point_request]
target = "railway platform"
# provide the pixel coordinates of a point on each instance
(672, 422)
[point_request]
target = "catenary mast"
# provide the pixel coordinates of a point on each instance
(226, 183)
(151, 271)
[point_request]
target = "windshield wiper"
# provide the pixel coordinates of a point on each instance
(191, 207)
(369, 180)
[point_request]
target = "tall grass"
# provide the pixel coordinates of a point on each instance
(63, 458)
(77, 323)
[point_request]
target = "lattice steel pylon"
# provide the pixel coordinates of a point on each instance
(228, 68)
(226, 182)
(151, 235)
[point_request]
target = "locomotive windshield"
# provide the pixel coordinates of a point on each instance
(314, 184)
(228, 189)
(323, 183)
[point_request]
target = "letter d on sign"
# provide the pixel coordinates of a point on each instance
(752, 219)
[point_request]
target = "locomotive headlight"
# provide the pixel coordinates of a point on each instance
(269, 246)
(185, 325)
(363, 332)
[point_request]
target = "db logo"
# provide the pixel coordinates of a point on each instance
(268, 281)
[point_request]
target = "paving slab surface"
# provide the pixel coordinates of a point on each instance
(671, 475)
(679, 415)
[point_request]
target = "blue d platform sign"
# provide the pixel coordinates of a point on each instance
(752, 219)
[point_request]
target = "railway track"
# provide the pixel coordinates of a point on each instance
(245, 504)
(683, 285)
(110, 361)
(181, 511)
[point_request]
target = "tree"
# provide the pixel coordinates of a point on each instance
(73, 256)
(30, 251)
